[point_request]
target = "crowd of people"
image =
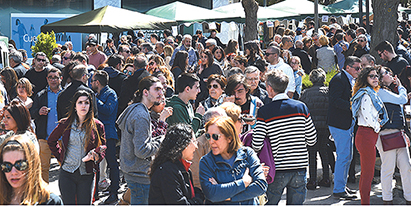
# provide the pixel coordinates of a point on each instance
(190, 120)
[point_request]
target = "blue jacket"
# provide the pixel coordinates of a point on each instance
(230, 183)
(107, 104)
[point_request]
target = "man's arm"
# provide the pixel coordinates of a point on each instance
(259, 133)
(144, 145)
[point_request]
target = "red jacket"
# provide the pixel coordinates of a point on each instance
(59, 152)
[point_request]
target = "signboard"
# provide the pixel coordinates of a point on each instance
(26, 27)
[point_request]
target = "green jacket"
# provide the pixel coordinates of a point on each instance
(183, 113)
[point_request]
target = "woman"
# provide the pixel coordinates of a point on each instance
(219, 57)
(24, 92)
(154, 63)
(20, 179)
(81, 135)
(307, 41)
(168, 52)
(230, 173)
(326, 58)
(171, 179)
(316, 99)
(207, 68)
(216, 84)
(16, 119)
(9, 79)
(232, 47)
(372, 115)
(295, 64)
(252, 52)
(394, 95)
(180, 64)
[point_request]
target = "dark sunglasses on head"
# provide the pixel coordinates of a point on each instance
(214, 136)
(20, 165)
(41, 60)
(215, 86)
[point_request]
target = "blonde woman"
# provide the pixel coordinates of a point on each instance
(168, 52)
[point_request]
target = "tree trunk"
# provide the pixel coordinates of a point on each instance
(385, 24)
(251, 22)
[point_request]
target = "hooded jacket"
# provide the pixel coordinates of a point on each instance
(116, 79)
(183, 113)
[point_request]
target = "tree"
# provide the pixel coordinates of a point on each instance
(251, 22)
(385, 23)
(45, 43)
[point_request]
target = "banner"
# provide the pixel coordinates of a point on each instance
(26, 27)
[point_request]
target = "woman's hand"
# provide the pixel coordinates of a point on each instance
(266, 169)
(247, 178)
(167, 111)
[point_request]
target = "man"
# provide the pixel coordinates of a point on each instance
(272, 56)
(312, 51)
(341, 124)
(252, 77)
(187, 88)
(110, 48)
(24, 54)
(338, 49)
(138, 146)
(115, 64)
(350, 37)
(55, 62)
(79, 76)
(201, 38)
(124, 50)
(305, 59)
(69, 45)
(311, 27)
(37, 74)
(154, 38)
(287, 43)
(147, 49)
(239, 93)
(67, 56)
(160, 49)
(288, 126)
(211, 44)
(44, 113)
(362, 47)
(15, 60)
(367, 60)
(213, 35)
(107, 104)
(82, 59)
(393, 61)
(278, 38)
(130, 84)
(186, 46)
(95, 56)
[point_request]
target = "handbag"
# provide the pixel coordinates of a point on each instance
(392, 141)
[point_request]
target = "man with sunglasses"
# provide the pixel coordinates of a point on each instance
(362, 46)
(393, 61)
(124, 50)
(210, 44)
(95, 57)
(38, 72)
(341, 124)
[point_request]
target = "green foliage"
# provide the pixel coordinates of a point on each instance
(45, 43)
(307, 83)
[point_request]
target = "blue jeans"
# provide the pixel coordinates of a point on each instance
(343, 140)
(139, 193)
(294, 181)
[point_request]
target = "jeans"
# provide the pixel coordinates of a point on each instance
(139, 193)
(343, 140)
(113, 165)
(45, 156)
(74, 186)
(294, 181)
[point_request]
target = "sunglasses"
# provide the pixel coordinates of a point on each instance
(373, 76)
(41, 60)
(65, 58)
(386, 72)
(20, 165)
(52, 78)
(357, 68)
(170, 42)
(215, 86)
(214, 136)
(127, 72)
(127, 51)
(361, 40)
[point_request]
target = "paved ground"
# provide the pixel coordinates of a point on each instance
(320, 196)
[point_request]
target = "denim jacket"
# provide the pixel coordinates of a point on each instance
(229, 179)
(377, 102)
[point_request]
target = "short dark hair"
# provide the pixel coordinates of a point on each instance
(350, 60)
(385, 46)
(339, 36)
(114, 59)
(199, 31)
(167, 32)
(121, 47)
(277, 80)
(109, 41)
(52, 70)
(235, 80)
(186, 80)
(351, 33)
(78, 71)
(147, 45)
(80, 57)
(140, 62)
(102, 77)
(154, 35)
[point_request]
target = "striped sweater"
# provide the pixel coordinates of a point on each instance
(287, 124)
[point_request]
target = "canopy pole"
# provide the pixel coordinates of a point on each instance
(360, 12)
(316, 15)
(367, 15)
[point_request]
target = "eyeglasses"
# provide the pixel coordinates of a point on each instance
(127, 72)
(215, 86)
(20, 165)
(252, 79)
(170, 42)
(373, 76)
(52, 78)
(127, 51)
(268, 54)
(65, 58)
(356, 68)
(214, 136)
(361, 40)
(294, 63)
(41, 60)
(386, 73)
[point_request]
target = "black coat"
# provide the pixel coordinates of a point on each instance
(339, 109)
(129, 87)
(170, 185)
(305, 59)
(65, 97)
(40, 100)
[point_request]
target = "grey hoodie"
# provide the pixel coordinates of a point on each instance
(138, 147)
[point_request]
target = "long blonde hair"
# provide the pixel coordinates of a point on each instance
(35, 189)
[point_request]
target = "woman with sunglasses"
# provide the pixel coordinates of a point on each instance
(170, 174)
(20, 178)
(394, 96)
(82, 136)
(215, 84)
(207, 67)
(230, 173)
(16, 119)
(154, 63)
(369, 109)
